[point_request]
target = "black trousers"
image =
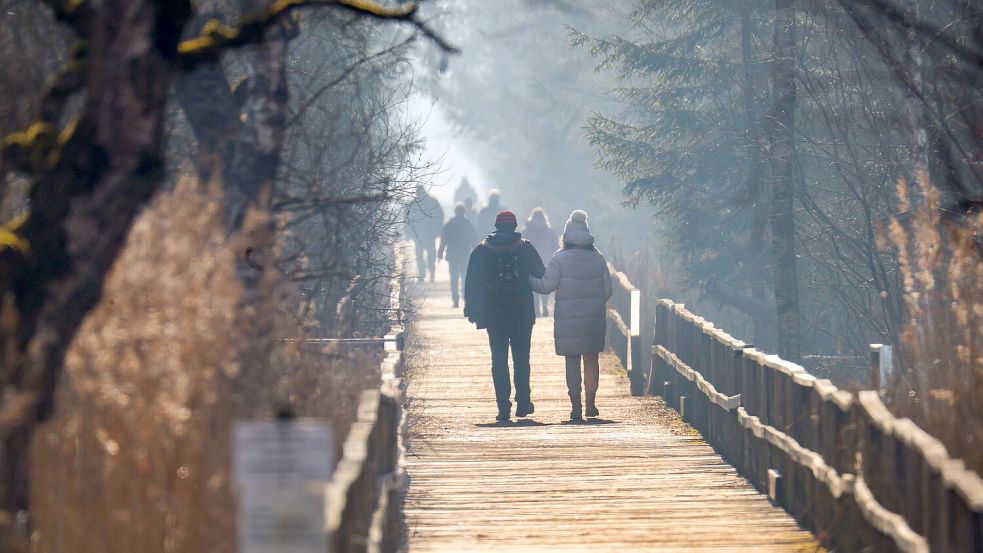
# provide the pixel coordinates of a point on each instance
(519, 337)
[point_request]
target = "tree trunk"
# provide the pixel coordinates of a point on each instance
(82, 205)
(764, 323)
(241, 130)
(256, 156)
(210, 108)
(918, 131)
(783, 174)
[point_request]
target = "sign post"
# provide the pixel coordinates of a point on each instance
(282, 469)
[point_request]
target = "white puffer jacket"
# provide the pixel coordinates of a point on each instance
(580, 277)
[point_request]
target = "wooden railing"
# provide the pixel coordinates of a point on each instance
(840, 463)
(624, 327)
(364, 494)
(364, 505)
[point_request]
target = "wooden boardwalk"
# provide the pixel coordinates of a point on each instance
(637, 479)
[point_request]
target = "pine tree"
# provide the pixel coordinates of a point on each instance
(690, 141)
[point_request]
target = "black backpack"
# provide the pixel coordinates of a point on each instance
(507, 282)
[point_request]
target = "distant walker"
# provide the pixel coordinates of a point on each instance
(456, 241)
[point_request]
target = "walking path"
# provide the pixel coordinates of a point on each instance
(637, 479)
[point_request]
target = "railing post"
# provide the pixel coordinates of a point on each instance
(881, 366)
(635, 367)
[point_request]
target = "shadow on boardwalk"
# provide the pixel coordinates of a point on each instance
(531, 423)
(636, 479)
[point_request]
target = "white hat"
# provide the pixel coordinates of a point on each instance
(576, 232)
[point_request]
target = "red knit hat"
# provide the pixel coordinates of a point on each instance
(506, 218)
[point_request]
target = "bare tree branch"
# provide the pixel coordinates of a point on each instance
(341, 78)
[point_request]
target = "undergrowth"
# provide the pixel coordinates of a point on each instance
(138, 456)
(940, 384)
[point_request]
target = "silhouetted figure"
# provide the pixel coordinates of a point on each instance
(471, 212)
(543, 237)
(456, 242)
(486, 218)
(465, 192)
(579, 275)
(498, 297)
(424, 221)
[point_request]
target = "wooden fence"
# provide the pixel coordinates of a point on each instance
(624, 328)
(840, 463)
(364, 505)
(364, 494)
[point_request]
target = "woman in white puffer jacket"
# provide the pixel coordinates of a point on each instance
(579, 275)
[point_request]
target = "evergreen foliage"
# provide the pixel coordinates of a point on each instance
(682, 143)
(876, 94)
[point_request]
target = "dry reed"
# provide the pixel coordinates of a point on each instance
(941, 385)
(137, 457)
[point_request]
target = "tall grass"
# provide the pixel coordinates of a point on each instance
(941, 385)
(137, 457)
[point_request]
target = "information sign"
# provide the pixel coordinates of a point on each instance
(282, 470)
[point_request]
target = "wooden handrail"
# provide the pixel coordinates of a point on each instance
(845, 467)
(363, 505)
(839, 462)
(361, 509)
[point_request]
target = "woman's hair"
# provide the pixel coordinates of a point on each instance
(539, 213)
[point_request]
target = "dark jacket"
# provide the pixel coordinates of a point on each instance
(458, 238)
(481, 306)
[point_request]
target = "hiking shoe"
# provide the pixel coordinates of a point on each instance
(592, 411)
(575, 415)
(525, 410)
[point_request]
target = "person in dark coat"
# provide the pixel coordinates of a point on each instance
(498, 297)
(456, 241)
(486, 217)
(424, 221)
(544, 238)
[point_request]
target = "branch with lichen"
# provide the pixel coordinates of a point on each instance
(28, 151)
(216, 37)
(32, 150)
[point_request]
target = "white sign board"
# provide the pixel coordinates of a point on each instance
(299, 450)
(282, 519)
(282, 469)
